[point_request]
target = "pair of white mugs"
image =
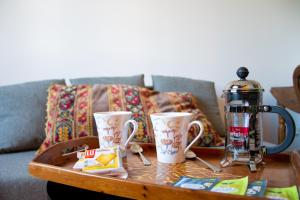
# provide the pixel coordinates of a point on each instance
(170, 130)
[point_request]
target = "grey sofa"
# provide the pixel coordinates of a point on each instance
(22, 119)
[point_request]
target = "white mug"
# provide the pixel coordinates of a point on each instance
(171, 135)
(112, 128)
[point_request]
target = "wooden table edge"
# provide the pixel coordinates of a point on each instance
(122, 187)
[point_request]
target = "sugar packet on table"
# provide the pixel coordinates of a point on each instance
(288, 193)
(233, 186)
(107, 160)
(196, 183)
(257, 188)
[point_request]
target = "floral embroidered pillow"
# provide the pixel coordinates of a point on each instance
(69, 114)
(70, 111)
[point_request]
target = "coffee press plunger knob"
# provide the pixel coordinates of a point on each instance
(242, 73)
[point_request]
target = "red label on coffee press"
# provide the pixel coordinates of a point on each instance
(238, 136)
(238, 131)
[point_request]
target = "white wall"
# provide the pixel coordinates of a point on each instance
(201, 39)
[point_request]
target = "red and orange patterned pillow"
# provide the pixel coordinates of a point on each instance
(70, 111)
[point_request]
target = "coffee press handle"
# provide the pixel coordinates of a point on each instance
(290, 125)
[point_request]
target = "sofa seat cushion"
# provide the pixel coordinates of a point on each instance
(15, 180)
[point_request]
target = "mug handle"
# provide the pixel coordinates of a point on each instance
(135, 128)
(198, 136)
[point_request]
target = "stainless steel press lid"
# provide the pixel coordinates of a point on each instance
(243, 85)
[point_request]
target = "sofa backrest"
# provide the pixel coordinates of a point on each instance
(22, 115)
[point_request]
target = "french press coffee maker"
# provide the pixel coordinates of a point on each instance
(243, 110)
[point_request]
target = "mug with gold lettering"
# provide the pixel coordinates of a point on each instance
(171, 135)
(112, 128)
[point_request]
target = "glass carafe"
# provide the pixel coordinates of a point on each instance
(243, 117)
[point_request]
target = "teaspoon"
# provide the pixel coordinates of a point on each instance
(190, 155)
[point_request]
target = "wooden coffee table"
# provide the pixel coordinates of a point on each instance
(155, 181)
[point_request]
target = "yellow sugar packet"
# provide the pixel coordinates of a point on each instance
(288, 193)
(104, 159)
(233, 186)
(100, 160)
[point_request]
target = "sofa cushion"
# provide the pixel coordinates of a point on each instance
(16, 182)
(22, 115)
(203, 90)
(70, 111)
(69, 114)
(128, 80)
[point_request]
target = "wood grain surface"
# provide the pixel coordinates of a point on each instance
(154, 182)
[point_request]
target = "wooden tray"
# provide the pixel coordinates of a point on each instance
(154, 182)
